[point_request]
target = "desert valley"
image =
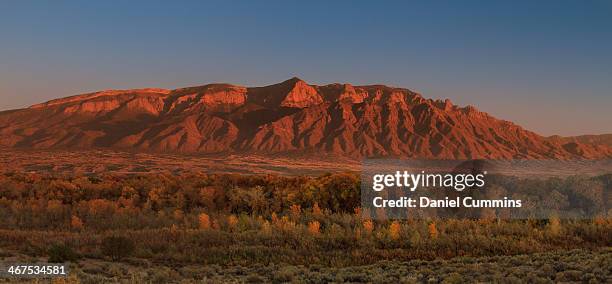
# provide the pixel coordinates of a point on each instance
(224, 183)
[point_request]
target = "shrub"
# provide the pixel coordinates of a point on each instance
(117, 247)
(453, 278)
(316, 210)
(178, 215)
(415, 238)
(266, 228)
(254, 278)
(215, 225)
(76, 223)
(285, 274)
(61, 253)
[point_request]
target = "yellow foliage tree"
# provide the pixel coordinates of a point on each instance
(433, 231)
(394, 230)
(554, 225)
(204, 221)
(368, 226)
(599, 220)
(314, 227)
(296, 211)
(232, 221)
(286, 224)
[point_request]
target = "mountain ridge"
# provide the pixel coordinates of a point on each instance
(596, 139)
(290, 117)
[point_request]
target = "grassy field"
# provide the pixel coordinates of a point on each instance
(573, 266)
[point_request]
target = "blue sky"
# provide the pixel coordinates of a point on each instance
(545, 65)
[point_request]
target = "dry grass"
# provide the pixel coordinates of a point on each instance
(584, 266)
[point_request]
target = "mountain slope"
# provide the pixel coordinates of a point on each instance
(602, 139)
(288, 118)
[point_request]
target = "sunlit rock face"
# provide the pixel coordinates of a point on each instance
(290, 118)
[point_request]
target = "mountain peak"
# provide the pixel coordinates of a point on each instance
(291, 93)
(293, 80)
(301, 95)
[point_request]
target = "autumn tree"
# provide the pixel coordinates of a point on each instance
(394, 230)
(76, 223)
(314, 227)
(204, 221)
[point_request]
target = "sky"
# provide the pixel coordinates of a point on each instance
(545, 65)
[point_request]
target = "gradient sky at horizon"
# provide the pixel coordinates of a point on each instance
(545, 65)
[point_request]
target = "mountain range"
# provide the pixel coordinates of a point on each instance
(289, 118)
